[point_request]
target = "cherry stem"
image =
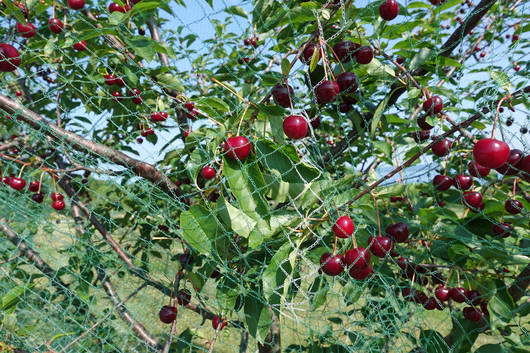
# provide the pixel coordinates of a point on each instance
(335, 245)
(323, 57)
(388, 211)
(514, 186)
(21, 169)
(457, 278)
(40, 180)
(377, 212)
(354, 241)
(335, 55)
(497, 116)
(54, 186)
(448, 277)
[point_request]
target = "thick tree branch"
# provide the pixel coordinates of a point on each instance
(153, 29)
(142, 169)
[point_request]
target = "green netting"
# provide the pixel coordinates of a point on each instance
(142, 225)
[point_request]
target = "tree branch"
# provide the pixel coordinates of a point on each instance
(153, 29)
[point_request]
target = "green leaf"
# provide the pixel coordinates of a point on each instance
(274, 276)
(257, 316)
(14, 10)
(501, 306)
(432, 342)
(286, 66)
(227, 293)
(248, 186)
(170, 81)
(502, 79)
(490, 348)
(236, 10)
(377, 68)
(216, 103)
(199, 227)
(378, 114)
(11, 298)
(420, 58)
(144, 6)
(234, 218)
(116, 18)
(314, 59)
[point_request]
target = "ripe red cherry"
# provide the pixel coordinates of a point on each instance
(472, 314)
(423, 124)
(17, 183)
(332, 265)
(34, 186)
(58, 205)
(491, 153)
(442, 182)
(502, 229)
(441, 148)
(345, 107)
(364, 55)
(458, 294)
(136, 97)
(433, 105)
(524, 166)
(442, 293)
(116, 96)
(282, 95)
(462, 182)
(327, 91)
(477, 170)
(119, 81)
(80, 46)
(473, 296)
(167, 314)
(18, 93)
(208, 172)
(472, 199)
(359, 258)
(389, 10)
(110, 79)
(27, 30)
(55, 25)
(362, 273)
(380, 246)
(237, 147)
(348, 82)
(420, 136)
(56, 196)
(183, 297)
(420, 297)
(308, 52)
(189, 106)
(113, 7)
(9, 58)
(38, 197)
(398, 231)
(345, 51)
(295, 126)
(76, 4)
(156, 117)
(513, 206)
(511, 167)
(430, 304)
(218, 321)
(343, 227)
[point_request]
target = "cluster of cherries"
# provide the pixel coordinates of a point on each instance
(19, 184)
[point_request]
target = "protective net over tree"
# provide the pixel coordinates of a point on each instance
(264, 176)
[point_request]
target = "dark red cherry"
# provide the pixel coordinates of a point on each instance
(345, 107)
(17, 183)
(345, 51)
(167, 314)
(398, 231)
(442, 182)
(462, 182)
(473, 296)
(389, 10)
(113, 7)
(430, 304)
(326, 91)
(80, 46)
(237, 147)
(116, 96)
(38, 197)
(524, 166)
(332, 265)
(477, 170)
(472, 199)
(423, 124)
(156, 116)
(183, 297)
(442, 293)
(58, 205)
(348, 82)
(502, 229)
(56, 196)
(491, 153)
(218, 322)
(511, 167)
(26, 30)
(189, 106)
(357, 257)
(34, 186)
(472, 314)
(364, 55)
(343, 227)
(441, 148)
(76, 4)
(295, 126)
(362, 273)
(282, 95)
(422, 135)
(433, 105)
(420, 297)
(513, 206)
(315, 122)
(308, 53)
(136, 96)
(458, 294)
(55, 25)
(9, 58)
(380, 246)
(208, 172)
(110, 79)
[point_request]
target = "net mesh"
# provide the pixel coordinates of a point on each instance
(143, 226)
